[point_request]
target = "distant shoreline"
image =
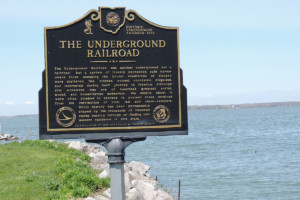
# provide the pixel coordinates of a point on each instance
(245, 105)
(213, 107)
(25, 115)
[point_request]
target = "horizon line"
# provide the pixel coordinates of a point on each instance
(212, 106)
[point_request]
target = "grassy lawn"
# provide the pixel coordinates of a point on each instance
(43, 170)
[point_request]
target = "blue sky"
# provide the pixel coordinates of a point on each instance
(233, 51)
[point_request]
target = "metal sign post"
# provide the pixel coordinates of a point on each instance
(116, 159)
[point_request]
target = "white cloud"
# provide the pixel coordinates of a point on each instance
(10, 103)
(29, 103)
(207, 96)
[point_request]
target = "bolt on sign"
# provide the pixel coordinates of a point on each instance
(112, 73)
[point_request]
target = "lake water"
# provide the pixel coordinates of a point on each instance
(229, 154)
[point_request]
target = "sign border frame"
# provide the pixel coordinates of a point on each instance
(130, 17)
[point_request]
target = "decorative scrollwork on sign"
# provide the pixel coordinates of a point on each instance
(96, 16)
(129, 15)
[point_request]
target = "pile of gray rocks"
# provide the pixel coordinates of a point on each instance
(7, 137)
(138, 184)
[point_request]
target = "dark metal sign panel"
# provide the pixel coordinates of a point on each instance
(114, 73)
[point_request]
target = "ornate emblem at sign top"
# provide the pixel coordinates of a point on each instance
(88, 24)
(65, 116)
(161, 114)
(112, 19)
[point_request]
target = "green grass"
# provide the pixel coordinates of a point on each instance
(45, 170)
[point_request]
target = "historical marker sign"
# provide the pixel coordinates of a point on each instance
(112, 73)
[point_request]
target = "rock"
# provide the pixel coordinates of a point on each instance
(127, 182)
(138, 184)
(104, 174)
(127, 168)
(145, 191)
(100, 197)
(99, 160)
(134, 175)
(84, 147)
(107, 193)
(74, 145)
(162, 195)
(104, 166)
(132, 194)
(95, 149)
(14, 138)
(96, 166)
(8, 137)
(90, 198)
(138, 166)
